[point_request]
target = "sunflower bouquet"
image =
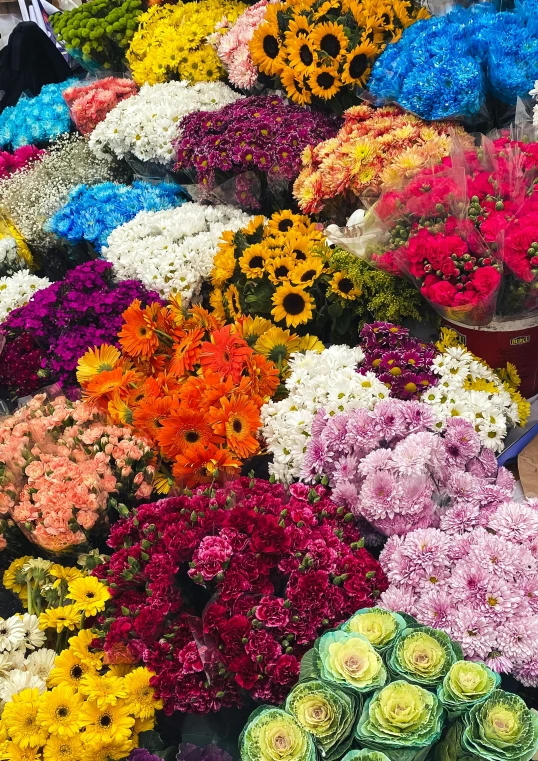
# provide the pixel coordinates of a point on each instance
(319, 51)
(172, 41)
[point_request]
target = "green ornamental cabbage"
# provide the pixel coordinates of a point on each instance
(379, 626)
(422, 655)
(466, 685)
(348, 659)
(273, 735)
(365, 755)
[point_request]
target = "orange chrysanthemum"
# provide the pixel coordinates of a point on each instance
(186, 350)
(137, 336)
(226, 354)
(201, 464)
(106, 385)
(150, 413)
(264, 376)
(182, 429)
(237, 419)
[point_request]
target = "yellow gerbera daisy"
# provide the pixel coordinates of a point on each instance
(292, 304)
(63, 573)
(69, 669)
(64, 617)
(63, 748)
(89, 594)
(103, 690)
(95, 750)
(162, 483)
(120, 669)
(310, 343)
(95, 361)
(13, 578)
(80, 647)
(140, 693)
(13, 752)
(59, 711)
(20, 719)
(111, 724)
(251, 328)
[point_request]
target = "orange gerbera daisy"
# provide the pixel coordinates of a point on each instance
(226, 353)
(264, 375)
(107, 384)
(137, 336)
(201, 464)
(201, 318)
(149, 414)
(237, 418)
(162, 384)
(119, 411)
(186, 350)
(182, 429)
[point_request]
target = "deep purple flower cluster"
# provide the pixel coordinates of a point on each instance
(402, 362)
(259, 133)
(189, 752)
(82, 311)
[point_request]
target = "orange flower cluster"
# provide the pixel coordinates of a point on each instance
(188, 382)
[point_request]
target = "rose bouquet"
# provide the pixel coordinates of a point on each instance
(98, 34)
(39, 119)
(233, 46)
(319, 54)
(93, 212)
(391, 467)
(58, 467)
(191, 384)
(173, 41)
(280, 568)
(61, 322)
(172, 251)
(374, 151)
(261, 135)
(12, 162)
(146, 124)
(90, 103)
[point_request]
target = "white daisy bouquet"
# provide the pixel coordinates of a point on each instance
(17, 289)
(171, 251)
(25, 661)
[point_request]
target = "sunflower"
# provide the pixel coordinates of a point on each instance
(298, 28)
(119, 411)
(202, 464)
(225, 354)
(148, 416)
(292, 304)
(224, 261)
(298, 246)
(59, 748)
(265, 49)
(89, 594)
(103, 690)
(302, 53)
(140, 694)
(69, 669)
(283, 222)
(264, 376)
(253, 232)
(232, 302)
(344, 287)
(80, 646)
(331, 39)
(59, 711)
(251, 328)
(185, 351)
(358, 64)
(326, 7)
(253, 260)
(325, 82)
(307, 272)
(108, 724)
(108, 384)
(277, 345)
(238, 418)
(104, 357)
(310, 343)
(182, 429)
(137, 336)
(280, 268)
(64, 617)
(216, 303)
(295, 86)
(19, 719)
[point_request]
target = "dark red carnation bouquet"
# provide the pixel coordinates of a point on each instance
(466, 232)
(223, 591)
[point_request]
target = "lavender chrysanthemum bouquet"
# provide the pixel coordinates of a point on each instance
(392, 467)
(186, 752)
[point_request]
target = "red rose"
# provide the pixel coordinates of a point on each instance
(272, 612)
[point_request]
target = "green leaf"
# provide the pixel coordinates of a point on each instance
(150, 741)
(309, 668)
(335, 310)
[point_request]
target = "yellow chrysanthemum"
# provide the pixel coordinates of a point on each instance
(95, 361)
(79, 646)
(59, 711)
(111, 724)
(140, 694)
(89, 595)
(63, 748)
(69, 669)
(103, 690)
(64, 617)
(20, 719)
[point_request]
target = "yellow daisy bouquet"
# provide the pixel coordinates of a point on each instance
(284, 270)
(173, 41)
(320, 51)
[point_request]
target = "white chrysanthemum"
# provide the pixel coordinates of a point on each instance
(6, 664)
(327, 380)
(18, 681)
(33, 636)
(41, 662)
(147, 124)
(11, 633)
(171, 251)
(17, 290)
(10, 259)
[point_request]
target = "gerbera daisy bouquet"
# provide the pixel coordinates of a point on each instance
(62, 471)
(254, 145)
(322, 52)
(190, 383)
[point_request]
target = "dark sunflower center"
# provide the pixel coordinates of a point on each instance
(308, 275)
(62, 712)
(300, 255)
(106, 720)
(305, 54)
(256, 261)
(330, 44)
(325, 80)
(192, 437)
(284, 225)
(76, 672)
(237, 425)
(386, 19)
(270, 46)
(345, 285)
(281, 271)
(358, 65)
(293, 303)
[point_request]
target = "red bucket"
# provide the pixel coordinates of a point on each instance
(499, 342)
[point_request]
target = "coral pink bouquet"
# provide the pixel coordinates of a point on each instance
(90, 103)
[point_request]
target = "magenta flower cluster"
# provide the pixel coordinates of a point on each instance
(398, 359)
(393, 468)
(479, 586)
(258, 133)
(12, 162)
